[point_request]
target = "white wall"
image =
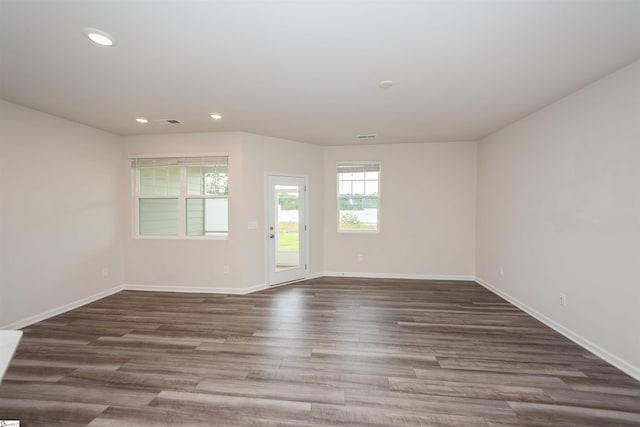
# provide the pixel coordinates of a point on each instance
(559, 211)
(427, 212)
(60, 212)
(200, 263)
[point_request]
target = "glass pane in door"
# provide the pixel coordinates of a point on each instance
(287, 226)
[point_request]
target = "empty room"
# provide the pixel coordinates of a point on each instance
(312, 213)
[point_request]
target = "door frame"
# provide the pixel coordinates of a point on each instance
(267, 266)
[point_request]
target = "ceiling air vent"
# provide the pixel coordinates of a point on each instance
(369, 136)
(166, 121)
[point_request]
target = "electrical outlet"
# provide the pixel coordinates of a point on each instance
(501, 272)
(563, 300)
(360, 257)
(104, 272)
(225, 269)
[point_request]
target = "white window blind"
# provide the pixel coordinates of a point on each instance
(152, 162)
(358, 167)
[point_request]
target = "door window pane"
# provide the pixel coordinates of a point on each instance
(287, 227)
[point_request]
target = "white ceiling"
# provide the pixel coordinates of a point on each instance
(309, 70)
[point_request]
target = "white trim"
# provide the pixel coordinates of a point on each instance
(619, 363)
(195, 289)
(285, 175)
(364, 275)
(254, 288)
(291, 282)
(216, 237)
(128, 287)
(171, 155)
(314, 275)
(62, 309)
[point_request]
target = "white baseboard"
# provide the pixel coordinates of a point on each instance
(72, 305)
(62, 309)
(254, 288)
(619, 363)
(195, 289)
(365, 275)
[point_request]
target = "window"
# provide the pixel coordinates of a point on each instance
(181, 196)
(358, 196)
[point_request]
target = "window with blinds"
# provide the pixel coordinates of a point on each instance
(358, 196)
(181, 196)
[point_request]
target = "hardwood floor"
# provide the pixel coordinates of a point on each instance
(328, 351)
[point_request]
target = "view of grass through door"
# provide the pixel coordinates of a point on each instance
(288, 226)
(288, 236)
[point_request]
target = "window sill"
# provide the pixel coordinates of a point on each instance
(178, 238)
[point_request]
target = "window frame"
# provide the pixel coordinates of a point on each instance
(378, 197)
(182, 198)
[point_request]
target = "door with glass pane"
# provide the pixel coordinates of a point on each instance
(286, 228)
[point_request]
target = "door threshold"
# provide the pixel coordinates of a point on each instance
(290, 282)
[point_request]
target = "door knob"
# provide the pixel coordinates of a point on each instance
(271, 236)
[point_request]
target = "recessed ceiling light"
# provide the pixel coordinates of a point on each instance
(142, 120)
(385, 84)
(216, 116)
(99, 37)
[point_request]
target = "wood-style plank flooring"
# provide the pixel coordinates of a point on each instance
(328, 351)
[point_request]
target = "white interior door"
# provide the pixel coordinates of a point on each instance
(286, 228)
